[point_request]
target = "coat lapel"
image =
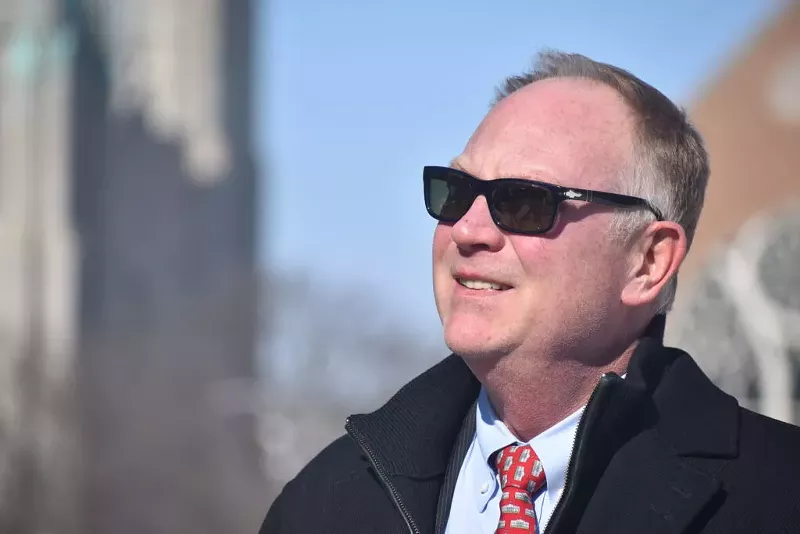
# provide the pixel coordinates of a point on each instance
(649, 489)
(463, 441)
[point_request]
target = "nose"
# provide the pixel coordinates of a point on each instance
(476, 229)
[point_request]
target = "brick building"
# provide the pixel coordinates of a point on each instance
(738, 306)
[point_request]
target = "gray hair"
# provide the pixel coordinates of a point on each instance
(670, 165)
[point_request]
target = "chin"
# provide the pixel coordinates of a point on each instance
(472, 339)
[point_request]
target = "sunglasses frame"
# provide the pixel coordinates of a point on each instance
(558, 193)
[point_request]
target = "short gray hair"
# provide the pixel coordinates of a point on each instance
(670, 164)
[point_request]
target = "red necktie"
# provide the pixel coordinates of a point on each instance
(521, 476)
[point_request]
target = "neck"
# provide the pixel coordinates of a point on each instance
(531, 394)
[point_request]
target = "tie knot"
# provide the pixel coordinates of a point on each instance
(520, 468)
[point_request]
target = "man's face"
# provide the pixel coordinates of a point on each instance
(558, 289)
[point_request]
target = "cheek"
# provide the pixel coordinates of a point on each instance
(559, 265)
(441, 242)
(441, 269)
(536, 255)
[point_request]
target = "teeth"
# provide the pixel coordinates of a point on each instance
(479, 284)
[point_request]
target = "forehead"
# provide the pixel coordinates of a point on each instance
(568, 131)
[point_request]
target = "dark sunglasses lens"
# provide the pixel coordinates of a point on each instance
(523, 208)
(449, 196)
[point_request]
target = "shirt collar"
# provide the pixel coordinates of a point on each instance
(553, 446)
(492, 434)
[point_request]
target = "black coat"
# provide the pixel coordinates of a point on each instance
(661, 451)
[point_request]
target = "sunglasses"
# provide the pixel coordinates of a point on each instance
(516, 205)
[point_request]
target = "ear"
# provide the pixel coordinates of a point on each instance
(654, 259)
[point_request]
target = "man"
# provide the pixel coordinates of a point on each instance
(562, 226)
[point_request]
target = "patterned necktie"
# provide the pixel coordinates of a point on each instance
(521, 476)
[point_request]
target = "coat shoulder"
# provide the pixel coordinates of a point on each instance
(767, 459)
(758, 497)
(337, 463)
(769, 441)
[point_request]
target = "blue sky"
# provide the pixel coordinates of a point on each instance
(356, 96)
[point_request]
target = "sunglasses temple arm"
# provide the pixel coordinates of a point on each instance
(613, 199)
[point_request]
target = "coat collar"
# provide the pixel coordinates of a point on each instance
(416, 429)
(693, 415)
(664, 415)
(414, 432)
(651, 445)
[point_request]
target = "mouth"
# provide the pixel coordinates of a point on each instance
(481, 285)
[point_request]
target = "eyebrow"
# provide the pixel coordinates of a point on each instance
(534, 176)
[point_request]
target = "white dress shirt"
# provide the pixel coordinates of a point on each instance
(476, 500)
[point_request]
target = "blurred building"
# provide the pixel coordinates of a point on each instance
(38, 273)
(127, 264)
(738, 308)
